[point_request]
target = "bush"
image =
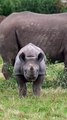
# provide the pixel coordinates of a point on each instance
(7, 7)
(40, 6)
(49, 6)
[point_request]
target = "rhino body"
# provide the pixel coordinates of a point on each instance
(29, 67)
(2, 18)
(49, 32)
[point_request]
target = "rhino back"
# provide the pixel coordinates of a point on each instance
(46, 31)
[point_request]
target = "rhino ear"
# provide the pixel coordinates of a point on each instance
(40, 57)
(22, 57)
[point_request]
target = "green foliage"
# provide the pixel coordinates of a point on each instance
(59, 81)
(7, 7)
(62, 79)
(40, 6)
(9, 84)
(64, 8)
(55, 76)
(10, 68)
(49, 6)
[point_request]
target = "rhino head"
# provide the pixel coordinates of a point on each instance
(30, 66)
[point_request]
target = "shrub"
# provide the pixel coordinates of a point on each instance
(49, 6)
(40, 6)
(7, 7)
(64, 8)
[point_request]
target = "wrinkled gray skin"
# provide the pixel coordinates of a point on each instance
(49, 32)
(30, 67)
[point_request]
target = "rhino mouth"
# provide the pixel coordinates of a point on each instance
(31, 78)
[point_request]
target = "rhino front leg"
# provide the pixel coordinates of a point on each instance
(37, 85)
(21, 85)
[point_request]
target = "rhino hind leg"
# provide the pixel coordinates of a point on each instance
(21, 85)
(65, 59)
(65, 62)
(5, 71)
(37, 85)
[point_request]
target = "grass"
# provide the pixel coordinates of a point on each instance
(51, 105)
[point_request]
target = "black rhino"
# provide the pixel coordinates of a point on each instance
(49, 32)
(30, 67)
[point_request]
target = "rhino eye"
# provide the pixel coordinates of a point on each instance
(40, 57)
(22, 57)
